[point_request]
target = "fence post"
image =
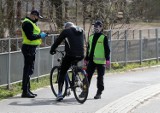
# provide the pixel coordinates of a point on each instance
(157, 49)
(126, 46)
(141, 49)
(17, 47)
(148, 33)
(118, 35)
(38, 64)
(110, 45)
(53, 37)
(9, 63)
(133, 33)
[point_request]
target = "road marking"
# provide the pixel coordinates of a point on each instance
(127, 103)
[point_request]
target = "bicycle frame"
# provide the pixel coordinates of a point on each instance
(75, 79)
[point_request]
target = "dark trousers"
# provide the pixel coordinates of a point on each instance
(91, 67)
(29, 53)
(66, 64)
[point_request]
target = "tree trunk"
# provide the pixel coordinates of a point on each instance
(32, 4)
(26, 8)
(19, 8)
(59, 14)
(1, 21)
(10, 18)
(66, 11)
(41, 7)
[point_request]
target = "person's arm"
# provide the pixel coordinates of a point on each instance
(28, 30)
(106, 48)
(61, 37)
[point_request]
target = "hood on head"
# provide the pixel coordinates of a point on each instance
(78, 29)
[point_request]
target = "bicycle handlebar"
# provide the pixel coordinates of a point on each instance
(59, 51)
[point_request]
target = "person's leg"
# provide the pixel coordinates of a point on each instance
(66, 63)
(90, 70)
(26, 67)
(31, 68)
(100, 83)
(28, 62)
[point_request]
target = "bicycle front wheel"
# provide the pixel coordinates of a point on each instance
(54, 76)
(81, 85)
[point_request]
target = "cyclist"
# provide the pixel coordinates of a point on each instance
(74, 48)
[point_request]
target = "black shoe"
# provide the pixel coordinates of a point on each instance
(32, 93)
(97, 96)
(27, 95)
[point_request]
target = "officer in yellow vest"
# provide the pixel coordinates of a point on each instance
(97, 56)
(32, 37)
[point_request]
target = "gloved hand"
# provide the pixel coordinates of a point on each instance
(43, 34)
(107, 63)
(85, 62)
(52, 52)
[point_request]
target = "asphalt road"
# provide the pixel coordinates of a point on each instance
(117, 85)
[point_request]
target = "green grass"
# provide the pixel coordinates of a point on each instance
(116, 67)
(16, 88)
(44, 81)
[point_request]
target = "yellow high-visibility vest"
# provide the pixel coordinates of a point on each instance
(36, 30)
(99, 52)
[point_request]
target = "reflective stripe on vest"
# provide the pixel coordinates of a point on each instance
(36, 30)
(99, 52)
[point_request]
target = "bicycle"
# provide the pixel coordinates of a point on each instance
(75, 80)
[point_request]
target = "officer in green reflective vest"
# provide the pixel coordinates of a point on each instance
(32, 37)
(97, 57)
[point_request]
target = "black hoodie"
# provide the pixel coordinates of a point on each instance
(74, 41)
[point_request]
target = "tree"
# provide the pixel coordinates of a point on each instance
(10, 17)
(59, 14)
(1, 20)
(41, 7)
(19, 9)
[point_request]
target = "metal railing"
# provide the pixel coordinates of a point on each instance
(126, 46)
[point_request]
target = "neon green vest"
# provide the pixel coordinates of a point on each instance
(99, 52)
(36, 30)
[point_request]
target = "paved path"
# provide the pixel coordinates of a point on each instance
(129, 102)
(123, 93)
(151, 106)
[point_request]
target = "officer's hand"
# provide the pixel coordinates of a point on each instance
(85, 62)
(43, 34)
(107, 63)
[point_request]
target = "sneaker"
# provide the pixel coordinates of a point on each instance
(97, 96)
(82, 95)
(59, 97)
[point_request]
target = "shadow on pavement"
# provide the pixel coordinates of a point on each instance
(43, 101)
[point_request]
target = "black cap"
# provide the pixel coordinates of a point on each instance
(36, 12)
(98, 23)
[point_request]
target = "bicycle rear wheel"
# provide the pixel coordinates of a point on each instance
(80, 86)
(54, 76)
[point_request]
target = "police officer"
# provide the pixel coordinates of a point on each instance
(32, 36)
(97, 56)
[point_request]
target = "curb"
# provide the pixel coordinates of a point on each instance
(129, 102)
